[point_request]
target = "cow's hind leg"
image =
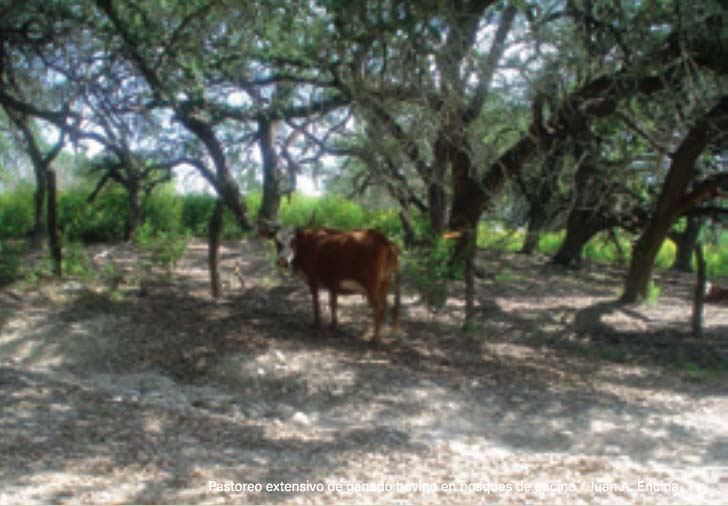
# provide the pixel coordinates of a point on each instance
(378, 307)
(316, 311)
(332, 306)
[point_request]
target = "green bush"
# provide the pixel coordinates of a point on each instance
(16, 212)
(195, 213)
(76, 261)
(429, 268)
(492, 235)
(103, 220)
(162, 210)
(550, 242)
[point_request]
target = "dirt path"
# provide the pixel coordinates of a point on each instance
(166, 396)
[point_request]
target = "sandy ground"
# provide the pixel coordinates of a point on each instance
(163, 395)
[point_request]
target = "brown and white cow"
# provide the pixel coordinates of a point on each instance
(342, 262)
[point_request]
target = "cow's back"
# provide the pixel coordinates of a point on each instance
(341, 260)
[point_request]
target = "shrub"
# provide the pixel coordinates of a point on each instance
(429, 268)
(195, 213)
(550, 242)
(103, 220)
(162, 210)
(76, 261)
(492, 235)
(165, 248)
(16, 211)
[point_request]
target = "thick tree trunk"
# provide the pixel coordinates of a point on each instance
(469, 250)
(39, 222)
(685, 242)
(536, 222)
(579, 230)
(464, 217)
(644, 252)
(271, 201)
(409, 231)
(586, 217)
(699, 295)
(214, 230)
(54, 240)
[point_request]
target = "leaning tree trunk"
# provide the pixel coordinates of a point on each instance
(580, 228)
(644, 253)
(585, 218)
(214, 230)
(674, 200)
(54, 241)
(686, 242)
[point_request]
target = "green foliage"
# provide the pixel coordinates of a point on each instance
(429, 268)
(602, 248)
(164, 248)
(653, 292)
(103, 220)
(16, 212)
(666, 255)
(162, 209)
(331, 211)
(195, 213)
(106, 218)
(717, 261)
(550, 242)
(492, 235)
(76, 261)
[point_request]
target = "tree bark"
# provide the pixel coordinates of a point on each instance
(673, 200)
(54, 240)
(686, 242)
(469, 250)
(699, 295)
(39, 222)
(271, 201)
(214, 230)
(536, 222)
(580, 228)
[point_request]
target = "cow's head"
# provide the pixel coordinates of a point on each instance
(283, 238)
